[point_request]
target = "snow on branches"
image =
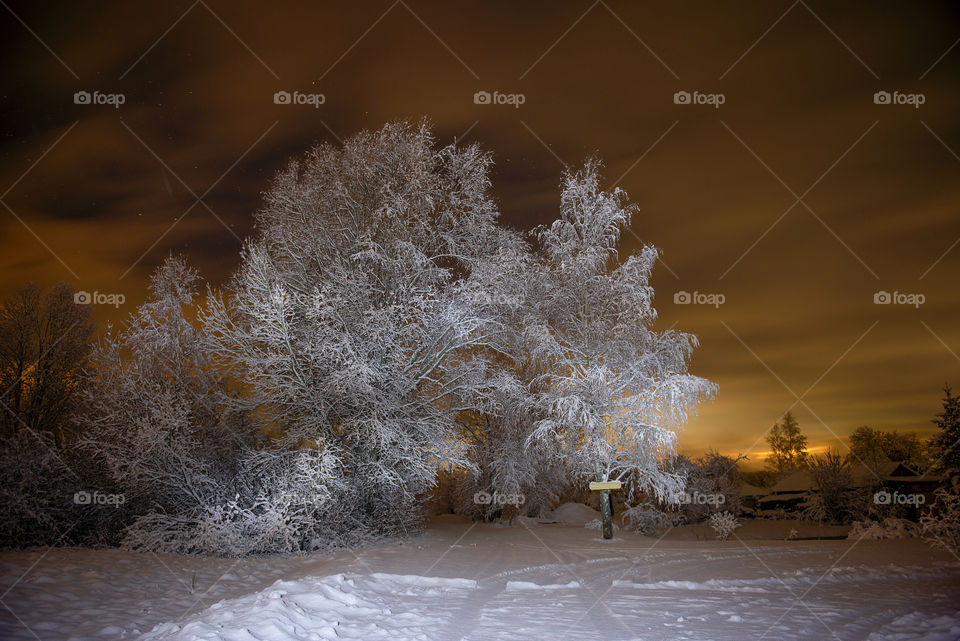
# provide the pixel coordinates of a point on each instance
(613, 389)
(383, 327)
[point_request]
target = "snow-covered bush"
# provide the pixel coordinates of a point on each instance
(941, 523)
(36, 490)
(723, 523)
(888, 528)
(648, 518)
(710, 485)
(286, 501)
(597, 524)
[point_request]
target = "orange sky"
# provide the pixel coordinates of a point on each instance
(797, 199)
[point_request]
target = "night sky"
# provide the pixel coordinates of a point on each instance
(795, 201)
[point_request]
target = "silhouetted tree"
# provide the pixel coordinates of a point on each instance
(45, 341)
(788, 446)
(834, 500)
(873, 447)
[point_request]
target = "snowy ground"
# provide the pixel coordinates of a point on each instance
(471, 581)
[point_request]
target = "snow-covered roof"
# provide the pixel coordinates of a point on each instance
(745, 489)
(862, 476)
(796, 481)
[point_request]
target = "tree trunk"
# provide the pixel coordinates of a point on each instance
(605, 514)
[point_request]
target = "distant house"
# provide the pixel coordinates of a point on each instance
(750, 496)
(789, 492)
(793, 490)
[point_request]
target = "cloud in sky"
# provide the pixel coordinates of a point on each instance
(798, 198)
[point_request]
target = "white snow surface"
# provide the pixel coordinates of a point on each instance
(470, 581)
(574, 514)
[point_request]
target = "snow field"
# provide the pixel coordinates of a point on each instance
(470, 581)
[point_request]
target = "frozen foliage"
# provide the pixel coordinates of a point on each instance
(155, 413)
(44, 346)
(613, 391)
(888, 528)
(178, 444)
(382, 311)
(941, 524)
(383, 329)
(648, 518)
(349, 319)
(835, 499)
(723, 523)
(45, 341)
(36, 490)
(507, 288)
(286, 502)
(597, 524)
(158, 418)
(710, 485)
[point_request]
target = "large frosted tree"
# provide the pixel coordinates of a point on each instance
(614, 390)
(350, 318)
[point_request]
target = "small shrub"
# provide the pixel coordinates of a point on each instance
(889, 528)
(941, 524)
(597, 524)
(723, 523)
(647, 518)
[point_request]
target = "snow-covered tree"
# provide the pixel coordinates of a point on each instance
(350, 320)
(945, 445)
(835, 499)
(155, 413)
(613, 391)
(940, 524)
(507, 288)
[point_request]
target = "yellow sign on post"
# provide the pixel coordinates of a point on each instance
(605, 485)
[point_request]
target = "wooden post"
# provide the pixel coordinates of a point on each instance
(606, 517)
